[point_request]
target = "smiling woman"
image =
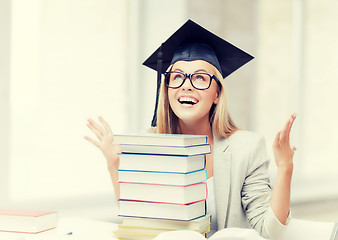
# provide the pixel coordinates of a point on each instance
(238, 157)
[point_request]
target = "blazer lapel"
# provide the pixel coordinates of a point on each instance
(221, 165)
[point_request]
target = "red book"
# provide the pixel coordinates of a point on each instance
(139, 209)
(27, 221)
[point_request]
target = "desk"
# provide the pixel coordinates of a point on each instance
(81, 229)
(87, 229)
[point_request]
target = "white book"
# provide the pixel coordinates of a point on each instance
(162, 177)
(161, 163)
(161, 139)
(162, 210)
(163, 193)
(196, 224)
(166, 150)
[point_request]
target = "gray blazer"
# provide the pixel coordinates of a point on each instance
(242, 185)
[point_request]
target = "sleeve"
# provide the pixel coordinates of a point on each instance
(256, 193)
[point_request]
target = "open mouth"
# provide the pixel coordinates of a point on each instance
(188, 100)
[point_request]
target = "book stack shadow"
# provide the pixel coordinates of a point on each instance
(162, 181)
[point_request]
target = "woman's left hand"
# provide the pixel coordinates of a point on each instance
(282, 150)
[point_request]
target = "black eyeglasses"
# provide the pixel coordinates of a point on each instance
(200, 81)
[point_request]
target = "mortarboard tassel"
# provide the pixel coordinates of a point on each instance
(159, 73)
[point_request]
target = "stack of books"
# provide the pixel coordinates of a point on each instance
(163, 186)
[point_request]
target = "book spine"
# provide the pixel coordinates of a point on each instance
(128, 170)
(205, 162)
(156, 154)
(160, 218)
(167, 185)
(183, 151)
(25, 232)
(158, 202)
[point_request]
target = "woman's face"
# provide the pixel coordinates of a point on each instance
(188, 103)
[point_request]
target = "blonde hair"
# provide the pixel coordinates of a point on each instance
(219, 117)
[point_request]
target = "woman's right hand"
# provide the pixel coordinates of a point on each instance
(104, 142)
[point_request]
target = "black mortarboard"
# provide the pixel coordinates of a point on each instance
(193, 42)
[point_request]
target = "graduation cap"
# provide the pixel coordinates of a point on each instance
(193, 42)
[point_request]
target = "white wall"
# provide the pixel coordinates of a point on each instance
(296, 55)
(68, 63)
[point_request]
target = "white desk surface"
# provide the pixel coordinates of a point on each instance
(81, 229)
(87, 229)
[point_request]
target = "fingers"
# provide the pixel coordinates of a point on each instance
(291, 121)
(285, 133)
(97, 126)
(95, 130)
(105, 125)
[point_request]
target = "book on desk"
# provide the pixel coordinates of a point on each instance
(149, 229)
(27, 221)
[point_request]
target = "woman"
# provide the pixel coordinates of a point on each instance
(192, 100)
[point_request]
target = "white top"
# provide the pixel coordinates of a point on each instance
(211, 206)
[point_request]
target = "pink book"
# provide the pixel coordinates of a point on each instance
(27, 221)
(185, 212)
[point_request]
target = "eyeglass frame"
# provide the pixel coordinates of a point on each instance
(189, 75)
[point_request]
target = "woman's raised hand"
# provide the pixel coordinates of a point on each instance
(104, 142)
(282, 150)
